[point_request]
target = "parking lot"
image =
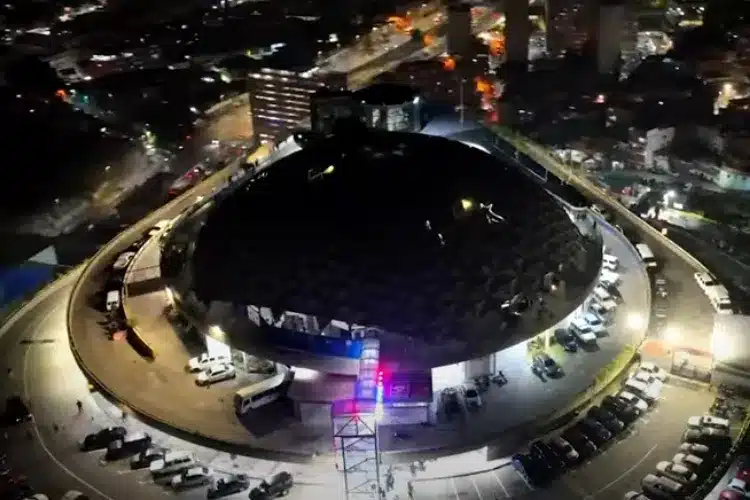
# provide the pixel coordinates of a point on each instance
(610, 474)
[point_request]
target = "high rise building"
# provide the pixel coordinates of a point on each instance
(459, 37)
(517, 31)
(609, 35)
(280, 99)
(570, 24)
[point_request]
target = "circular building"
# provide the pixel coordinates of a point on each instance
(434, 249)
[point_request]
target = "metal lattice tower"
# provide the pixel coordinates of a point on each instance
(355, 435)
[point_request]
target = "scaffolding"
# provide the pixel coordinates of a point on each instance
(355, 435)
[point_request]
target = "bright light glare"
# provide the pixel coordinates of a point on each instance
(672, 335)
(305, 374)
(467, 204)
(636, 321)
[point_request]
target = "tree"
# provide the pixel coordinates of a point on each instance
(33, 75)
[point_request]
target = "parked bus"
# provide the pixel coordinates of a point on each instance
(263, 392)
(647, 256)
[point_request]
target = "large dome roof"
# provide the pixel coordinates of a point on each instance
(418, 235)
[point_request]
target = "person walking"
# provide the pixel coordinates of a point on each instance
(79, 405)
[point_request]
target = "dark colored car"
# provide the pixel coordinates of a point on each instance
(547, 455)
(229, 486)
(144, 458)
(544, 364)
(566, 339)
(606, 418)
(127, 447)
(531, 469)
(278, 486)
(595, 431)
(628, 413)
(450, 401)
(578, 440)
(16, 411)
(100, 440)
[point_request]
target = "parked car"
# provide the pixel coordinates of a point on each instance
(626, 412)
(677, 472)
(743, 468)
(130, 445)
(634, 400)
(609, 278)
(601, 311)
(661, 288)
(123, 260)
(564, 449)
(278, 486)
(158, 228)
(694, 449)
(596, 324)
(215, 374)
(582, 332)
(705, 280)
(101, 439)
(230, 486)
(595, 431)
(144, 458)
(543, 363)
(692, 462)
(606, 418)
(635, 495)
(531, 469)
(204, 361)
(737, 489)
(544, 452)
(580, 442)
(472, 398)
(654, 485)
(705, 435)
(708, 421)
(566, 340)
(191, 478)
(654, 370)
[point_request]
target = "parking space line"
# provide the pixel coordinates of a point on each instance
(502, 486)
(476, 488)
(626, 472)
(455, 489)
(525, 481)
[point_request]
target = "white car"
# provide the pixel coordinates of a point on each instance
(634, 400)
(656, 371)
(216, 373)
(609, 278)
(192, 478)
(159, 227)
(676, 472)
(471, 396)
(694, 449)
(708, 421)
(635, 495)
(649, 379)
(705, 280)
(205, 360)
(596, 323)
(582, 331)
(123, 260)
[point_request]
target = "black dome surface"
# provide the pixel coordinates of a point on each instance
(418, 235)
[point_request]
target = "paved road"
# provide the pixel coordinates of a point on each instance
(610, 475)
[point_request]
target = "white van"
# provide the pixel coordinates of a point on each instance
(172, 463)
(260, 394)
(647, 256)
(113, 300)
(719, 297)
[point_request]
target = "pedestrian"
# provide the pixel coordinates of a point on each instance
(79, 404)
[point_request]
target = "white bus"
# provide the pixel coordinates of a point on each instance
(261, 393)
(719, 297)
(647, 256)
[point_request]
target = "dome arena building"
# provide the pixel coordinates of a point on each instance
(372, 251)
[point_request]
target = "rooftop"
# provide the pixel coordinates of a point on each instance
(420, 236)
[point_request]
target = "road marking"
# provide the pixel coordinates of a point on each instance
(455, 490)
(502, 486)
(33, 421)
(525, 481)
(626, 472)
(476, 488)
